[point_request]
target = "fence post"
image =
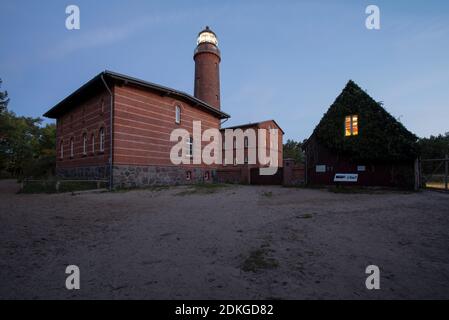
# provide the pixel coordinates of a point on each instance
(417, 175)
(446, 160)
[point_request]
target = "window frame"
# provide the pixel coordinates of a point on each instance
(177, 114)
(102, 139)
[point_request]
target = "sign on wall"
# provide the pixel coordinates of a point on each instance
(346, 177)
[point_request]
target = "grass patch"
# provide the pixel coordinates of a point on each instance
(202, 188)
(305, 216)
(149, 188)
(367, 190)
(259, 260)
(60, 186)
(267, 194)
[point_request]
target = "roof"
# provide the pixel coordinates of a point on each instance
(381, 137)
(97, 83)
(253, 124)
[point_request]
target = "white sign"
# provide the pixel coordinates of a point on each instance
(346, 177)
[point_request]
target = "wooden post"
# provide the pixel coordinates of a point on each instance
(417, 175)
(446, 160)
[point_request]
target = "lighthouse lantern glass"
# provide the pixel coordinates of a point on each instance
(207, 37)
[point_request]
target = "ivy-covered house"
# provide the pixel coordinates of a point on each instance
(357, 142)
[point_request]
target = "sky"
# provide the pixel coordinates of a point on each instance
(282, 60)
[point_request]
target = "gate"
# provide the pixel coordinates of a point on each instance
(275, 179)
(434, 173)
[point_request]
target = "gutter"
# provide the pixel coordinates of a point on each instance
(110, 133)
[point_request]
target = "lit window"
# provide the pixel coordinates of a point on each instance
(85, 143)
(189, 147)
(71, 148)
(102, 139)
(351, 125)
(178, 115)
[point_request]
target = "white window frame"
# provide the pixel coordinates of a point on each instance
(102, 140)
(189, 143)
(72, 151)
(84, 143)
(178, 115)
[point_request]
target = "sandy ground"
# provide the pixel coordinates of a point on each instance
(312, 244)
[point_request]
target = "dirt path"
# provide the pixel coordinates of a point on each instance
(240, 242)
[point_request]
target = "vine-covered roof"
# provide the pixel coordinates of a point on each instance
(380, 136)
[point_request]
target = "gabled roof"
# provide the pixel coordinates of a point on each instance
(112, 77)
(381, 137)
(253, 124)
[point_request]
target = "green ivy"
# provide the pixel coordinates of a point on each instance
(381, 137)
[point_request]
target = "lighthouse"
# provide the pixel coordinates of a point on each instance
(207, 68)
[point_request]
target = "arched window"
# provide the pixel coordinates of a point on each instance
(61, 150)
(102, 139)
(93, 143)
(178, 114)
(85, 144)
(72, 152)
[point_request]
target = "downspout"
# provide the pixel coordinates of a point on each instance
(110, 134)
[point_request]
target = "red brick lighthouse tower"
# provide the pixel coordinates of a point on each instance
(207, 68)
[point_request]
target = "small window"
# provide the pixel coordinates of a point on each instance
(246, 142)
(351, 125)
(85, 144)
(93, 143)
(189, 147)
(320, 168)
(178, 114)
(206, 176)
(72, 153)
(61, 150)
(189, 175)
(102, 140)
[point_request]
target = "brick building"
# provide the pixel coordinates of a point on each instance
(118, 127)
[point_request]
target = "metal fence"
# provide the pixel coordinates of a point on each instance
(434, 173)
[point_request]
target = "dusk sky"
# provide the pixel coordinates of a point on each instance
(282, 60)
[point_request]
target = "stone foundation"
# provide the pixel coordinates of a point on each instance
(128, 176)
(84, 173)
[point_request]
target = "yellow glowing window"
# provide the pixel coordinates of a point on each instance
(351, 126)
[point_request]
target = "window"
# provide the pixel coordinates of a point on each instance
(61, 148)
(93, 143)
(189, 175)
(71, 148)
(246, 159)
(351, 125)
(178, 115)
(206, 176)
(320, 168)
(189, 147)
(246, 142)
(102, 140)
(85, 144)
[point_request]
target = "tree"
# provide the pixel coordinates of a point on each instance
(293, 150)
(27, 149)
(3, 99)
